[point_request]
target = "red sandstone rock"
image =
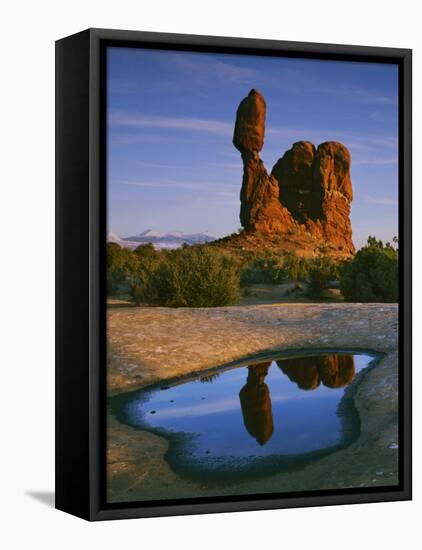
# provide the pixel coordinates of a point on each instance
(332, 168)
(308, 193)
(255, 401)
(334, 371)
(302, 371)
(249, 129)
(316, 188)
(337, 371)
(260, 210)
(332, 173)
(299, 191)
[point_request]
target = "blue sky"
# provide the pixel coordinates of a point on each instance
(170, 118)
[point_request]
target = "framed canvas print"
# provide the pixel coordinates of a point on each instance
(233, 274)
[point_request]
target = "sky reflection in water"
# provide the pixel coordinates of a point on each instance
(282, 407)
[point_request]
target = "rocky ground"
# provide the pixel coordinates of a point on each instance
(147, 345)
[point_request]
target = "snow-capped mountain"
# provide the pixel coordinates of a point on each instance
(161, 240)
(114, 238)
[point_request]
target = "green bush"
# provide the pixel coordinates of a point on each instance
(146, 252)
(372, 275)
(321, 273)
(141, 279)
(122, 263)
(296, 269)
(148, 261)
(272, 268)
(195, 276)
(264, 268)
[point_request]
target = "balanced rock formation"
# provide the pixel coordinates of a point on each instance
(261, 210)
(308, 193)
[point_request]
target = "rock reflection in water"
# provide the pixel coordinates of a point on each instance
(255, 402)
(253, 419)
(334, 371)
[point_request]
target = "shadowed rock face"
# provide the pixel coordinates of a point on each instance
(308, 192)
(255, 402)
(334, 371)
(298, 190)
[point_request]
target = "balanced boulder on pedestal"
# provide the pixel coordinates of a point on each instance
(306, 198)
(261, 210)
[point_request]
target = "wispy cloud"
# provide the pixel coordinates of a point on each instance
(374, 160)
(164, 184)
(134, 139)
(350, 139)
(365, 149)
(358, 94)
(214, 407)
(134, 120)
(185, 72)
(228, 165)
(175, 184)
(206, 193)
(289, 132)
(354, 141)
(215, 200)
(377, 116)
(201, 70)
(301, 80)
(202, 66)
(194, 167)
(384, 201)
(362, 141)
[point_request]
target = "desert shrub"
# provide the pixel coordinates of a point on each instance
(296, 269)
(372, 275)
(195, 276)
(115, 281)
(146, 251)
(209, 378)
(270, 268)
(227, 238)
(121, 265)
(148, 261)
(321, 273)
(264, 269)
(141, 280)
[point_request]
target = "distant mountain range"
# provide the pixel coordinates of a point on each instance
(160, 240)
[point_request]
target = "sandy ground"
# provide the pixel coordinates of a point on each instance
(147, 345)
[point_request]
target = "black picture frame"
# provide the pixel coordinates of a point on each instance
(80, 273)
